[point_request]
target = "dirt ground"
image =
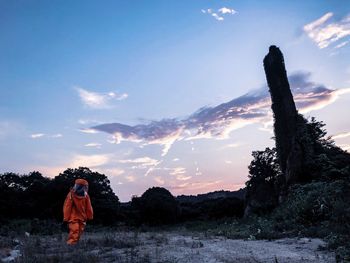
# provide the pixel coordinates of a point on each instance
(164, 247)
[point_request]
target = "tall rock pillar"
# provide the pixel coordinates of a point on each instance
(289, 150)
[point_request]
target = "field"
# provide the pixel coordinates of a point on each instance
(176, 245)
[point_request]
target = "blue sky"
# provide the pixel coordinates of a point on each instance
(168, 93)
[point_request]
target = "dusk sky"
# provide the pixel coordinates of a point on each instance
(162, 93)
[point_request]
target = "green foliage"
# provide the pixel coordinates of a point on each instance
(318, 209)
(316, 202)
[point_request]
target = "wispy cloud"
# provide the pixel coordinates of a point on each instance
(112, 171)
(231, 145)
(93, 144)
(178, 170)
(196, 185)
(342, 44)
(95, 160)
(98, 100)
(41, 135)
(219, 121)
(323, 32)
(219, 13)
(37, 135)
(87, 121)
(141, 163)
(88, 130)
(159, 180)
(341, 135)
(345, 147)
(130, 178)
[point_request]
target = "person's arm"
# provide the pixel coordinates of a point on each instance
(89, 210)
(67, 207)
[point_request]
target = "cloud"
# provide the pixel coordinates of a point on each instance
(141, 163)
(219, 121)
(130, 178)
(50, 171)
(345, 147)
(37, 135)
(217, 17)
(57, 135)
(219, 13)
(324, 33)
(159, 180)
(93, 144)
(112, 171)
(225, 10)
(97, 100)
(95, 160)
(178, 170)
(196, 185)
(342, 44)
(182, 177)
(41, 135)
(86, 121)
(341, 135)
(231, 145)
(88, 130)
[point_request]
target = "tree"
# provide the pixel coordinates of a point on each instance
(157, 206)
(262, 186)
(104, 201)
(23, 196)
(264, 167)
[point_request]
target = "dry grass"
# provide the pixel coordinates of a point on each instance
(179, 245)
(96, 247)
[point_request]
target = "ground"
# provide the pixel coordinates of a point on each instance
(163, 246)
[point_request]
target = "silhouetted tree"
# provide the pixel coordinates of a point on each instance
(264, 171)
(104, 201)
(264, 167)
(157, 206)
(34, 196)
(23, 196)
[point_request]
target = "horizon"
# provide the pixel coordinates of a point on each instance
(171, 95)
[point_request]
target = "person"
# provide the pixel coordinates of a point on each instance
(77, 210)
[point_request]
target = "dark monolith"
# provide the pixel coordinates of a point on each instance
(288, 147)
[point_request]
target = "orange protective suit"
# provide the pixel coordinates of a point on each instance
(77, 210)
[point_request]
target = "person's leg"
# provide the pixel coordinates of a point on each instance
(81, 228)
(74, 230)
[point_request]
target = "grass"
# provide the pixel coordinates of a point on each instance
(102, 247)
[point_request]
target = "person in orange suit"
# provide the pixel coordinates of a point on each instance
(77, 210)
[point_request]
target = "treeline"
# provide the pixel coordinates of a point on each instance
(33, 196)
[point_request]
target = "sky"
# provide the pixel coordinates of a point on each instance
(162, 93)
